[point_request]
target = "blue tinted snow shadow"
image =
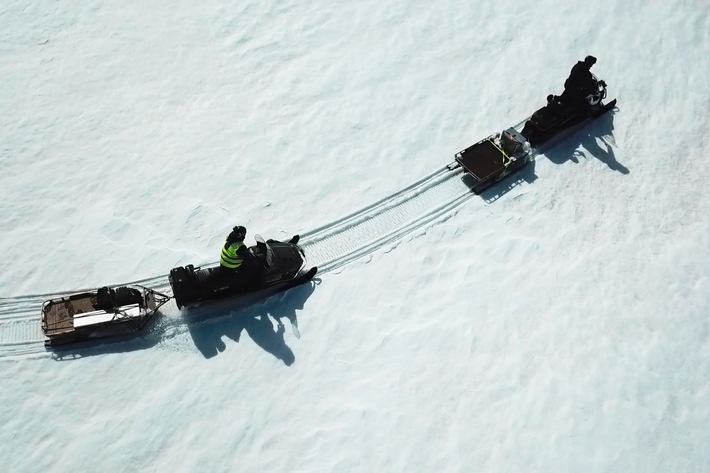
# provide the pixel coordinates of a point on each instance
(263, 322)
(588, 136)
(209, 324)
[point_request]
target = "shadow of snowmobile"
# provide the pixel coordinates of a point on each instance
(597, 139)
(208, 330)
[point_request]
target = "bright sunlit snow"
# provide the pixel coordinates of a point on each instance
(559, 323)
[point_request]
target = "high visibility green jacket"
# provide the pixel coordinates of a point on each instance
(229, 258)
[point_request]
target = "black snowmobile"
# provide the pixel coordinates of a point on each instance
(559, 115)
(284, 267)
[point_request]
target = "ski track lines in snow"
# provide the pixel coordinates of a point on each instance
(329, 247)
(388, 220)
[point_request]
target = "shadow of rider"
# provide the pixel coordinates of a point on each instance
(208, 334)
(287, 306)
(589, 138)
(261, 330)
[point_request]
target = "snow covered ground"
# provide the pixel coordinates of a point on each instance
(560, 326)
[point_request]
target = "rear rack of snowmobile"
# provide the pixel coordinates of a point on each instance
(105, 312)
(494, 158)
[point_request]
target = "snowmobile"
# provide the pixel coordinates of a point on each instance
(559, 115)
(499, 155)
(284, 266)
(105, 312)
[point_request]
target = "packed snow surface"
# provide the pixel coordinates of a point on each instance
(559, 323)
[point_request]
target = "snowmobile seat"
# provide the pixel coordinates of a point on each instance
(551, 114)
(217, 273)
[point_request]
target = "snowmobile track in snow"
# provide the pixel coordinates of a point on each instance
(386, 221)
(329, 247)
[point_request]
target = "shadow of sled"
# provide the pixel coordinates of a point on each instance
(208, 324)
(207, 328)
(526, 174)
(148, 338)
(588, 138)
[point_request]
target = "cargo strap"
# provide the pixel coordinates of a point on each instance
(508, 159)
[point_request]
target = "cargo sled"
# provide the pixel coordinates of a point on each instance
(106, 312)
(494, 158)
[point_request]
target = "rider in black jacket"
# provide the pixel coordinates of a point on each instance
(580, 82)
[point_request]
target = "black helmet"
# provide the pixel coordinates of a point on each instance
(238, 234)
(590, 60)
